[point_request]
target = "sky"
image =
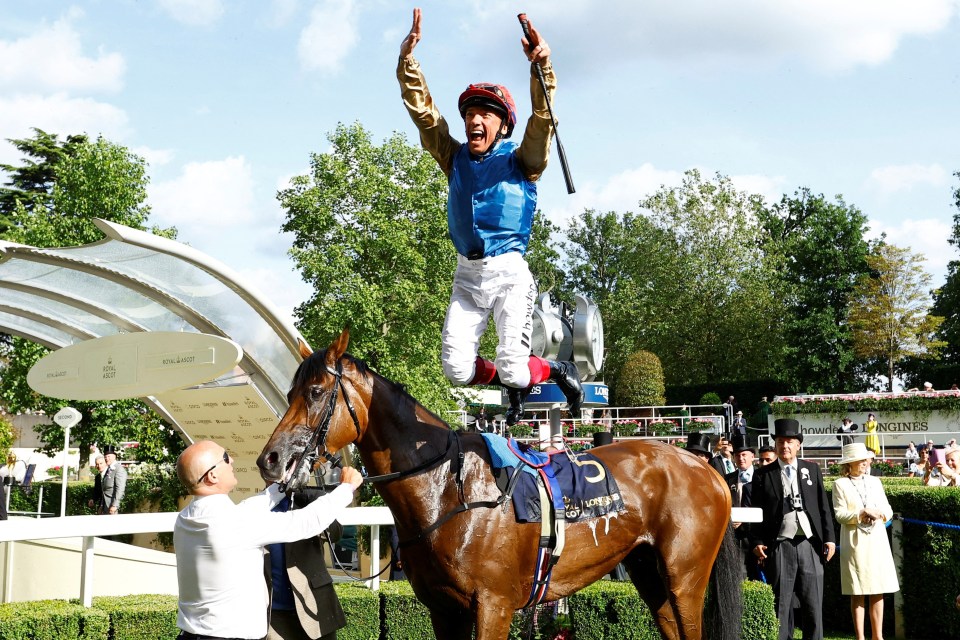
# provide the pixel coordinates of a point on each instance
(227, 101)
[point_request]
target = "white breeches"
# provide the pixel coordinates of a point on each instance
(503, 286)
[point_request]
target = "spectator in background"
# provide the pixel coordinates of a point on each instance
(698, 444)
(866, 562)
(844, 430)
(113, 482)
(911, 454)
(722, 459)
(740, 483)
(928, 386)
(872, 440)
(766, 455)
(739, 425)
(945, 471)
(918, 467)
(96, 502)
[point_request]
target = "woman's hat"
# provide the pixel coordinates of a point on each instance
(787, 428)
(698, 442)
(855, 452)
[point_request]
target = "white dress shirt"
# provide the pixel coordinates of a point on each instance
(219, 547)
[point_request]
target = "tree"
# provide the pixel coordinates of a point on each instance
(370, 234)
(890, 319)
(641, 381)
(946, 300)
(50, 200)
(30, 185)
(718, 312)
(820, 251)
(620, 262)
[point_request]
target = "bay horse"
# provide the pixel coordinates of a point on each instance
(476, 568)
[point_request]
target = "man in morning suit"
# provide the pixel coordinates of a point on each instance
(797, 535)
(740, 482)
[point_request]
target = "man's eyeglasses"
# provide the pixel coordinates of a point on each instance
(226, 458)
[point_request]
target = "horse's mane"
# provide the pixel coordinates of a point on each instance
(315, 367)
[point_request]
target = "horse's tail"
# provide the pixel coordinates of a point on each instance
(724, 609)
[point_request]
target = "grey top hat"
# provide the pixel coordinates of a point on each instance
(787, 428)
(698, 442)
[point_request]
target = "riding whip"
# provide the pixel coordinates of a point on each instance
(522, 17)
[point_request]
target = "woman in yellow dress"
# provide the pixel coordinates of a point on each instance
(873, 440)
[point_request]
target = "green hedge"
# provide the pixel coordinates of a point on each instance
(609, 609)
(606, 609)
(53, 620)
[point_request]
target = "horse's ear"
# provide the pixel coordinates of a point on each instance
(304, 349)
(339, 346)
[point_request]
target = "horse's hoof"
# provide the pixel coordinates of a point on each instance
(567, 377)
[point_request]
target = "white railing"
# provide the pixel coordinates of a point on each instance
(90, 527)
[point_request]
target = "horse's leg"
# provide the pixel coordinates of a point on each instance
(647, 576)
(451, 625)
(493, 620)
(685, 578)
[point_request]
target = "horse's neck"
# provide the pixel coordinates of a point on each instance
(401, 434)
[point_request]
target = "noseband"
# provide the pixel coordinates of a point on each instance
(319, 437)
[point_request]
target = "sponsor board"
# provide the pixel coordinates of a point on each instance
(237, 417)
(894, 429)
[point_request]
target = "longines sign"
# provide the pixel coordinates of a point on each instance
(894, 429)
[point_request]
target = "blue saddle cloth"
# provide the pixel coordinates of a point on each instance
(583, 490)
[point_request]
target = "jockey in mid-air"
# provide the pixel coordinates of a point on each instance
(492, 200)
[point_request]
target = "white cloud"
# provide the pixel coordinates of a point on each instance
(58, 114)
(927, 237)
(329, 37)
(52, 59)
(892, 179)
(155, 157)
(195, 13)
(281, 12)
(622, 192)
(207, 195)
(822, 33)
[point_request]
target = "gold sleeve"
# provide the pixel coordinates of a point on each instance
(434, 132)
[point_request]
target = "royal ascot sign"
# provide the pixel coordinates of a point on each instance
(133, 365)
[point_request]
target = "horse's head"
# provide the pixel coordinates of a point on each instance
(329, 401)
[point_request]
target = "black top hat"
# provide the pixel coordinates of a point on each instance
(698, 442)
(740, 444)
(109, 448)
(787, 428)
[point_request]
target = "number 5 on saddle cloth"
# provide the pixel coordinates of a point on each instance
(551, 489)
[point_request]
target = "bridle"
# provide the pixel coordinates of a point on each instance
(318, 439)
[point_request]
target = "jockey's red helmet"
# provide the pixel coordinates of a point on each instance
(490, 96)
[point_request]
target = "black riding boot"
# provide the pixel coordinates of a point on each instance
(567, 377)
(517, 397)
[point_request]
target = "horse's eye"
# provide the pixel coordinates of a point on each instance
(315, 393)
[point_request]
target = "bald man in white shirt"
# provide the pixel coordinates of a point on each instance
(219, 544)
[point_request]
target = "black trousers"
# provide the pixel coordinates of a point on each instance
(796, 567)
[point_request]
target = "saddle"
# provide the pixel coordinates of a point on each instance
(551, 489)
